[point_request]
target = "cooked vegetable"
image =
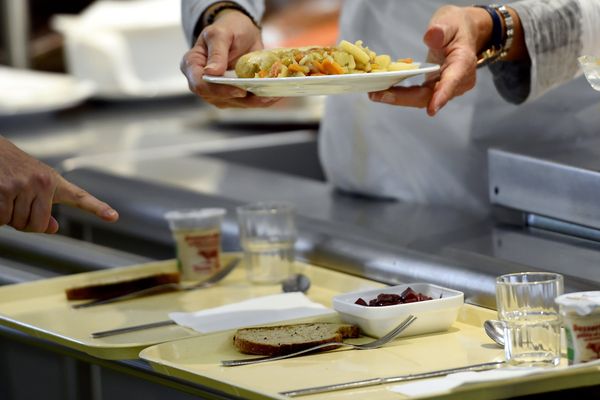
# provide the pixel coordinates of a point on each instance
(346, 58)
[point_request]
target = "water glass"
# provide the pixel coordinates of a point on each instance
(526, 306)
(267, 236)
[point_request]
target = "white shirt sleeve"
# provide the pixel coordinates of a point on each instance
(556, 33)
(191, 10)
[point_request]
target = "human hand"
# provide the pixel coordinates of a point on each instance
(28, 188)
(217, 49)
(454, 36)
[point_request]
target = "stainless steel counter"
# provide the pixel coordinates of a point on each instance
(149, 157)
(387, 241)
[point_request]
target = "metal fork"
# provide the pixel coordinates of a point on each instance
(388, 337)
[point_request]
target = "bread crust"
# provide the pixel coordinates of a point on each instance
(285, 339)
(112, 289)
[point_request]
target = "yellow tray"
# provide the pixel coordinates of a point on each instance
(41, 309)
(198, 360)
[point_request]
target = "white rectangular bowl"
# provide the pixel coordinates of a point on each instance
(434, 315)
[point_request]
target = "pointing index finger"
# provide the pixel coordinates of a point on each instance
(72, 195)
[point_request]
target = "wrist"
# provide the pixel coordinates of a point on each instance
(483, 26)
(217, 10)
(501, 39)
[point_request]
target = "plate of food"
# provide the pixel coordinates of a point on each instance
(316, 70)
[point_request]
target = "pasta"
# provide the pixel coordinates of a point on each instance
(345, 58)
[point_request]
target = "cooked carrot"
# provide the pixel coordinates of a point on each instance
(318, 66)
(332, 68)
(296, 68)
(405, 60)
(262, 73)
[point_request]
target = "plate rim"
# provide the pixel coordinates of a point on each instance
(423, 69)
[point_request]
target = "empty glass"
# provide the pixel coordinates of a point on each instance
(267, 236)
(531, 319)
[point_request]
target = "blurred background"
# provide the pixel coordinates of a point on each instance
(27, 38)
(112, 46)
(84, 77)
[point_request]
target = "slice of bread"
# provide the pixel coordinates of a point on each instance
(106, 290)
(285, 339)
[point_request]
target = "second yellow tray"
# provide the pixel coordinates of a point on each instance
(198, 360)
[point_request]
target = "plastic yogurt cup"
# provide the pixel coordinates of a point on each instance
(197, 235)
(580, 314)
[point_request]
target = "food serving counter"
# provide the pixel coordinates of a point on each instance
(144, 160)
(382, 240)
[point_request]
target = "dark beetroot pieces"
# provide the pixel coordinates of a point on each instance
(390, 299)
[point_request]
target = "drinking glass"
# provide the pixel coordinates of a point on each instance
(526, 306)
(267, 236)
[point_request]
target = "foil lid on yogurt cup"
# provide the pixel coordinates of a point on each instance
(583, 303)
(195, 218)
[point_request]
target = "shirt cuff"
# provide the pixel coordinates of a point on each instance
(512, 80)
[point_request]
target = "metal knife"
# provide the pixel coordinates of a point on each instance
(390, 379)
(134, 328)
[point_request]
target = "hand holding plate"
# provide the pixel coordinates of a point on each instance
(219, 46)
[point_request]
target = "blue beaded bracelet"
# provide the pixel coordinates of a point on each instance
(496, 39)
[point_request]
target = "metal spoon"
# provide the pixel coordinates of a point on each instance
(296, 283)
(495, 330)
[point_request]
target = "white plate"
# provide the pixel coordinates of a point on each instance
(320, 85)
(24, 92)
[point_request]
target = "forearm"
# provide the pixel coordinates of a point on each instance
(193, 10)
(554, 34)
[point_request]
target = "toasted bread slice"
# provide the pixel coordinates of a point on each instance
(285, 339)
(105, 290)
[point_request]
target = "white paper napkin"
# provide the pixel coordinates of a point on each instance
(449, 382)
(257, 311)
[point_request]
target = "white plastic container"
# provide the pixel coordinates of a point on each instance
(580, 314)
(434, 315)
(197, 235)
(128, 49)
